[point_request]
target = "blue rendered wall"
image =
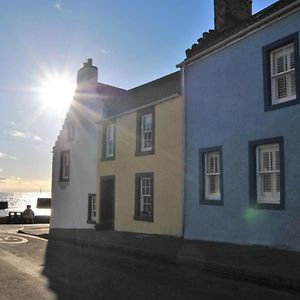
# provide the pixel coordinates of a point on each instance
(224, 96)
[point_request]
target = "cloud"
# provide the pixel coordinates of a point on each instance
(104, 51)
(37, 138)
(6, 156)
(12, 123)
(1, 170)
(17, 133)
(24, 135)
(57, 5)
(11, 180)
(18, 184)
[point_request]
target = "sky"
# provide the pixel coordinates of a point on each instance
(44, 41)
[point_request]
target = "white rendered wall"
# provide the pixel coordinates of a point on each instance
(70, 200)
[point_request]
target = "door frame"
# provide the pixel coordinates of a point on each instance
(102, 179)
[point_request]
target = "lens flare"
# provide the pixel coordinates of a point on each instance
(56, 92)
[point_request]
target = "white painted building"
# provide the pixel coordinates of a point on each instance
(74, 173)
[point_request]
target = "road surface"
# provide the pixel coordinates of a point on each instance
(33, 268)
(22, 265)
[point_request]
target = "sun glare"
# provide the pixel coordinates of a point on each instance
(56, 92)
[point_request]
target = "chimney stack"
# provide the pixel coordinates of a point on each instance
(229, 13)
(87, 75)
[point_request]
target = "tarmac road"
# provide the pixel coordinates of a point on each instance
(21, 266)
(34, 268)
(88, 273)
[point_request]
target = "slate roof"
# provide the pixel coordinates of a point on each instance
(144, 94)
(213, 37)
(109, 90)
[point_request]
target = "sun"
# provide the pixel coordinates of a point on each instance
(56, 92)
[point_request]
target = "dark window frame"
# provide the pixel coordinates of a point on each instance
(253, 178)
(103, 150)
(71, 130)
(89, 213)
(203, 200)
(140, 114)
(137, 216)
(292, 38)
(61, 179)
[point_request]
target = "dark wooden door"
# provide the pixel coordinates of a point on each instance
(107, 199)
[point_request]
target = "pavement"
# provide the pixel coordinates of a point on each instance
(265, 266)
(38, 230)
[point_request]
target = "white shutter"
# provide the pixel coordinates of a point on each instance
(283, 74)
(212, 176)
(268, 175)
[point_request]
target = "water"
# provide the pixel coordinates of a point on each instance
(17, 201)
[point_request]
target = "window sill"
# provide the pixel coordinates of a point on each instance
(63, 184)
(272, 206)
(143, 218)
(283, 100)
(107, 158)
(64, 180)
(142, 153)
(219, 202)
(282, 104)
(91, 222)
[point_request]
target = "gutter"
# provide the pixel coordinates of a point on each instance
(280, 14)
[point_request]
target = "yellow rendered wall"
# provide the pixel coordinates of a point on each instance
(166, 164)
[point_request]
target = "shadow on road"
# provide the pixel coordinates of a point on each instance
(76, 272)
(88, 273)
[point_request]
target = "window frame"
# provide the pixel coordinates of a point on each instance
(144, 132)
(204, 199)
(138, 179)
(268, 51)
(63, 178)
(254, 146)
(71, 130)
(92, 219)
(105, 127)
(139, 131)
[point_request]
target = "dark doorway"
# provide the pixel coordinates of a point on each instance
(107, 201)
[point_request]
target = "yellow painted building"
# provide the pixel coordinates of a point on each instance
(140, 160)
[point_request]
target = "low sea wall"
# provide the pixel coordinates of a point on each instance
(37, 220)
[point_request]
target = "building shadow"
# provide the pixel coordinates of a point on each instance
(71, 272)
(88, 273)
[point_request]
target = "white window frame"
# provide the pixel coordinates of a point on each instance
(110, 140)
(146, 197)
(287, 73)
(211, 173)
(65, 167)
(272, 169)
(146, 133)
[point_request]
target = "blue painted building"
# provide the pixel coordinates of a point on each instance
(242, 136)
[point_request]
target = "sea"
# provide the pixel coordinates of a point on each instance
(17, 201)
